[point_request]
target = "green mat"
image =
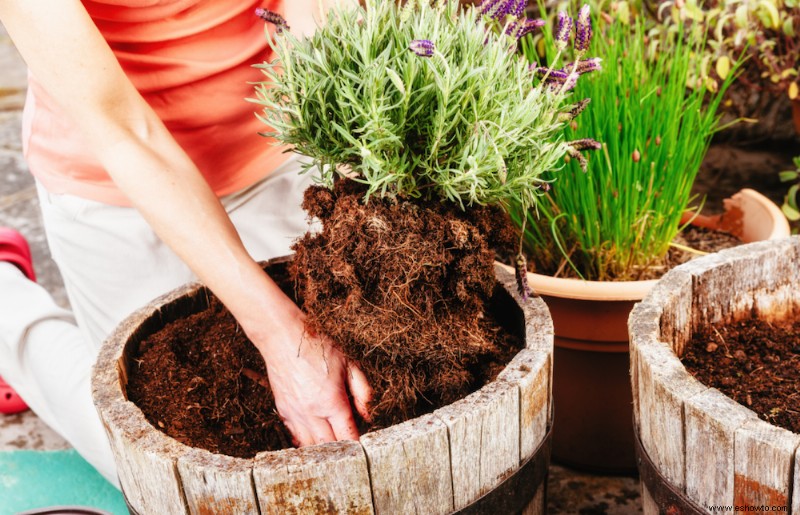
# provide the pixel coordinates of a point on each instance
(38, 479)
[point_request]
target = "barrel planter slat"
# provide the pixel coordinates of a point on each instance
(530, 371)
(730, 456)
(712, 420)
(214, 483)
(410, 467)
(334, 476)
(764, 462)
(487, 450)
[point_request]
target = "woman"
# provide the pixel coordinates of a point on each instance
(150, 172)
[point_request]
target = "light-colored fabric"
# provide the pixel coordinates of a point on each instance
(192, 60)
(112, 264)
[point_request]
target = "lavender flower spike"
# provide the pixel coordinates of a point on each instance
(585, 144)
(488, 7)
(499, 9)
(583, 30)
(272, 17)
(520, 29)
(586, 65)
(422, 47)
(563, 31)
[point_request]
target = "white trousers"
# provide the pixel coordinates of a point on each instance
(112, 264)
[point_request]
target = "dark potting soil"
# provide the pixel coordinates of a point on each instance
(753, 362)
(403, 289)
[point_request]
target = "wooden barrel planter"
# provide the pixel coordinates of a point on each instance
(697, 448)
(486, 453)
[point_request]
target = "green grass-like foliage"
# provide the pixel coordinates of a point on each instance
(618, 218)
(463, 125)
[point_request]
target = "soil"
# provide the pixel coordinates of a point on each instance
(403, 289)
(404, 284)
(753, 362)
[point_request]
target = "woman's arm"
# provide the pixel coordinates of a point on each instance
(71, 60)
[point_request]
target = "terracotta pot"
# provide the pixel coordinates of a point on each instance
(592, 398)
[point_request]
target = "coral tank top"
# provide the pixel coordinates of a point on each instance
(192, 61)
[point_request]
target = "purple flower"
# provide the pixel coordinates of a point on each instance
(563, 31)
(579, 107)
(521, 274)
(520, 29)
(422, 47)
(558, 78)
(499, 9)
(272, 17)
(583, 30)
(585, 65)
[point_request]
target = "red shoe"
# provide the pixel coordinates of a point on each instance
(10, 401)
(14, 249)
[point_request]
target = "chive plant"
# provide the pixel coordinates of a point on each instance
(615, 216)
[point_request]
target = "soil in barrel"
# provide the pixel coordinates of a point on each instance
(755, 363)
(402, 288)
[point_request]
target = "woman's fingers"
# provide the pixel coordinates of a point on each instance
(360, 390)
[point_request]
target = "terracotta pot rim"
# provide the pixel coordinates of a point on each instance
(581, 289)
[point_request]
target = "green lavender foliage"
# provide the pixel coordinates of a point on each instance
(618, 218)
(464, 125)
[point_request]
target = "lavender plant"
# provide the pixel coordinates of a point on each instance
(615, 216)
(422, 101)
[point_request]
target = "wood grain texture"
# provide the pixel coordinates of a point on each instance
(327, 478)
(664, 386)
(483, 431)
(764, 464)
(711, 423)
(146, 462)
(217, 484)
(409, 467)
(532, 373)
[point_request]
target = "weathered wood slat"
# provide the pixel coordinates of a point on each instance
(483, 431)
(531, 372)
(146, 462)
(727, 284)
(409, 467)
(711, 423)
(329, 478)
(764, 462)
(664, 387)
(215, 483)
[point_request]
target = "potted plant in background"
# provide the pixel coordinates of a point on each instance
(424, 124)
(766, 32)
(791, 207)
(602, 233)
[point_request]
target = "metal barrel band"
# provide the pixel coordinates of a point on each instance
(514, 493)
(510, 496)
(669, 499)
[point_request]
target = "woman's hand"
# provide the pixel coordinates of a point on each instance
(310, 380)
